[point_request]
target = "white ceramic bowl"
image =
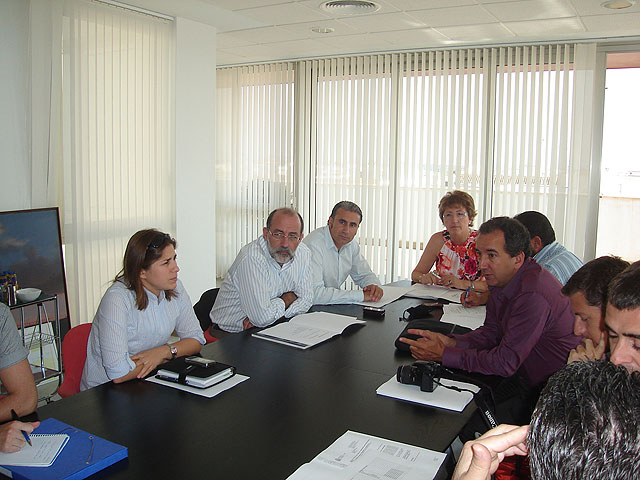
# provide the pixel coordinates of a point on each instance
(28, 294)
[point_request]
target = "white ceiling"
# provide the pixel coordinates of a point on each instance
(254, 31)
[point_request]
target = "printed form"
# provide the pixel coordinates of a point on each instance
(356, 456)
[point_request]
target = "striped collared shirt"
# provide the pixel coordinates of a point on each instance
(254, 284)
(559, 261)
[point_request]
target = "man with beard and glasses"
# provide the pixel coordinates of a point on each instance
(269, 279)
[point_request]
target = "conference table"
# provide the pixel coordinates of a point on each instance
(294, 405)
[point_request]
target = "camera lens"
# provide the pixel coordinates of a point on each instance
(407, 375)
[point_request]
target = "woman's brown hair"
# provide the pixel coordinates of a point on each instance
(144, 248)
(458, 197)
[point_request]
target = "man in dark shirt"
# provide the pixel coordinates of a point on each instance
(528, 331)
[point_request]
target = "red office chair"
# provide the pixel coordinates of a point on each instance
(74, 354)
(515, 467)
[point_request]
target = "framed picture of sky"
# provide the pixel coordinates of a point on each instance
(31, 246)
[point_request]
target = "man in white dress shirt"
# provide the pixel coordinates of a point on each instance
(270, 278)
(336, 255)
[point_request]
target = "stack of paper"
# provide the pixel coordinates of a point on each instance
(359, 456)
(434, 292)
(309, 329)
(471, 317)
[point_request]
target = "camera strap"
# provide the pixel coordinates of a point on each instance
(481, 397)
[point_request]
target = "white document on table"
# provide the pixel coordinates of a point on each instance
(390, 294)
(45, 450)
(441, 397)
(433, 292)
(471, 317)
(356, 456)
(309, 329)
(209, 392)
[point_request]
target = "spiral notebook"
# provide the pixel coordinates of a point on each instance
(81, 455)
(45, 450)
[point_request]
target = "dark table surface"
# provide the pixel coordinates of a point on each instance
(296, 403)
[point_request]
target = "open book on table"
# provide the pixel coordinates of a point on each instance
(309, 329)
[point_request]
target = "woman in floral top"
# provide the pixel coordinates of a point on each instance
(454, 249)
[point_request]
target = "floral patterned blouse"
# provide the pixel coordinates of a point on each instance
(459, 260)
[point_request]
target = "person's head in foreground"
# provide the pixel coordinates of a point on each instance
(586, 424)
(585, 427)
(622, 319)
(587, 292)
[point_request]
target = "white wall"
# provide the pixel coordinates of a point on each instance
(195, 154)
(15, 166)
(195, 79)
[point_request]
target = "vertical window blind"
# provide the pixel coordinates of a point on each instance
(255, 152)
(118, 167)
(395, 132)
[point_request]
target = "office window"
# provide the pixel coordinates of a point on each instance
(255, 154)
(440, 143)
(618, 226)
(395, 132)
(118, 168)
(351, 155)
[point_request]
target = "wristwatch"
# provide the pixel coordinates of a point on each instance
(174, 351)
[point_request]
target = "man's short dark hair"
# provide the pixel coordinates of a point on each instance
(348, 206)
(516, 237)
(586, 424)
(624, 289)
(538, 226)
(593, 279)
(286, 211)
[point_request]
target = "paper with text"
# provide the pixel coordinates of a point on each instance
(309, 329)
(43, 453)
(356, 456)
(471, 317)
(434, 292)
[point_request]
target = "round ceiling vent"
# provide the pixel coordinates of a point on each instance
(617, 4)
(350, 7)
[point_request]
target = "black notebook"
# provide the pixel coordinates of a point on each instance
(180, 371)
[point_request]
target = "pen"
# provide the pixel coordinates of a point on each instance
(466, 294)
(14, 416)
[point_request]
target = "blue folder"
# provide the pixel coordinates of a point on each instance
(83, 455)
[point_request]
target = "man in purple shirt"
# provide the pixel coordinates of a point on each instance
(528, 331)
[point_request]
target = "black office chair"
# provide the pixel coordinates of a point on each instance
(203, 308)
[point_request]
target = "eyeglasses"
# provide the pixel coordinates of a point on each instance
(159, 240)
(294, 237)
(449, 216)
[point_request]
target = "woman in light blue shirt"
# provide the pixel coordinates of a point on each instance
(138, 314)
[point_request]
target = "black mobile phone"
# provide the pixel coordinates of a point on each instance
(373, 312)
(199, 361)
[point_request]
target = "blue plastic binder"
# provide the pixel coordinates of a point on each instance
(83, 455)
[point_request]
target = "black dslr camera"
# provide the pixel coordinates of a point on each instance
(425, 374)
